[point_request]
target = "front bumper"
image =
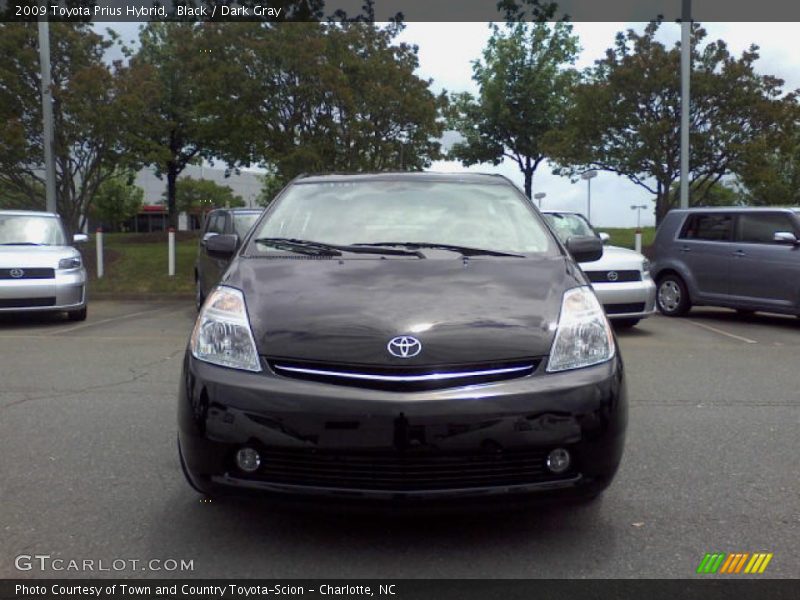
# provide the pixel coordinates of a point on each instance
(627, 300)
(66, 291)
(324, 440)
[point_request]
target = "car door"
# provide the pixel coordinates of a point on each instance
(705, 247)
(765, 273)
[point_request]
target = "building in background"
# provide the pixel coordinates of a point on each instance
(153, 216)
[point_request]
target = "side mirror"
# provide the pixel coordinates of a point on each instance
(223, 245)
(207, 236)
(80, 238)
(784, 237)
(604, 237)
(585, 248)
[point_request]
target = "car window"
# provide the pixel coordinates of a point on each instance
(486, 216)
(33, 230)
(708, 227)
(759, 228)
(216, 223)
(567, 225)
(242, 222)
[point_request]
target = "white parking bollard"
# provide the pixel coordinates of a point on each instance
(171, 252)
(99, 245)
(638, 241)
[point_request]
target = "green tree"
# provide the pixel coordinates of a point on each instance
(204, 194)
(525, 81)
(271, 185)
(626, 115)
(325, 97)
(770, 169)
(117, 199)
(93, 106)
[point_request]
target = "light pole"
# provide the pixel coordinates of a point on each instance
(588, 176)
(638, 237)
(686, 68)
(539, 196)
(47, 116)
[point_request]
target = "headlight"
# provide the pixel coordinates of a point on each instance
(70, 263)
(645, 268)
(222, 332)
(583, 337)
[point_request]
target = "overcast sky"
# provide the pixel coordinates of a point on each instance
(446, 52)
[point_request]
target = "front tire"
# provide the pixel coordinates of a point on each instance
(672, 297)
(199, 296)
(77, 315)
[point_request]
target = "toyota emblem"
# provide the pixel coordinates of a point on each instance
(17, 273)
(612, 276)
(404, 346)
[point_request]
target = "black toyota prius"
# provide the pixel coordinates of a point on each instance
(402, 337)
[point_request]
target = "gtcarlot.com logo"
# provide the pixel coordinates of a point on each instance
(734, 563)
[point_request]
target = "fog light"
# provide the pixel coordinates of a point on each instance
(558, 460)
(248, 460)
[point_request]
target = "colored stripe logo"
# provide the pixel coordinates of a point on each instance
(734, 563)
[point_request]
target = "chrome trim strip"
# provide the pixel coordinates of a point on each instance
(407, 378)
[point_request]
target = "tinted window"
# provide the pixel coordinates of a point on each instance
(242, 222)
(710, 227)
(492, 217)
(216, 223)
(760, 228)
(31, 230)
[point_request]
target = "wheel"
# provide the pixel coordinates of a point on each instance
(625, 323)
(199, 297)
(672, 296)
(77, 315)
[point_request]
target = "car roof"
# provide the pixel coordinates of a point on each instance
(485, 178)
(238, 209)
(28, 213)
(727, 209)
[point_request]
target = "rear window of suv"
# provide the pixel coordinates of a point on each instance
(708, 227)
(760, 228)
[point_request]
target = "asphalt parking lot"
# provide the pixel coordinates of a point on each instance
(89, 465)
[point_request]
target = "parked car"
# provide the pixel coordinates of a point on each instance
(742, 258)
(621, 277)
(402, 336)
(39, 268)
(208, 267)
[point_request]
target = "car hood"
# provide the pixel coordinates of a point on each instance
(462, 311)
(615, 258)
(34, 256)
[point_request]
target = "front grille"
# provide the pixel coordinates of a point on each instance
(22, 273)
(397, 378)
(620, 309)
(609, 276)
(26, 302)
(402, 471)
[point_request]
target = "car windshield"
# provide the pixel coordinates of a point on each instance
(478, 216)
(242, 222)
(31, 231)
(567, 225)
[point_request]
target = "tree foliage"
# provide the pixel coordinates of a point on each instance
(204, 194)
(325, 97)
(525, 83)
(117, 199)
(626, 115)
(93, 106)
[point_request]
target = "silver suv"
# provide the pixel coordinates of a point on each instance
(39, 268)
(742, 258)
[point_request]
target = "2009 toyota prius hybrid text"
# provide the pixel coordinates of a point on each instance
(402, 336)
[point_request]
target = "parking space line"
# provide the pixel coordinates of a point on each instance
(721, 332)
(119, 318)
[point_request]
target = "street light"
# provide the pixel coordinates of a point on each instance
(539, 196)
(638, 236)
(588, 176)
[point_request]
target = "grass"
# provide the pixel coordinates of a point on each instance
(138, 263)
(625, 237)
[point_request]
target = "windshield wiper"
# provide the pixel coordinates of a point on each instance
(323, 249)
(463, 250)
